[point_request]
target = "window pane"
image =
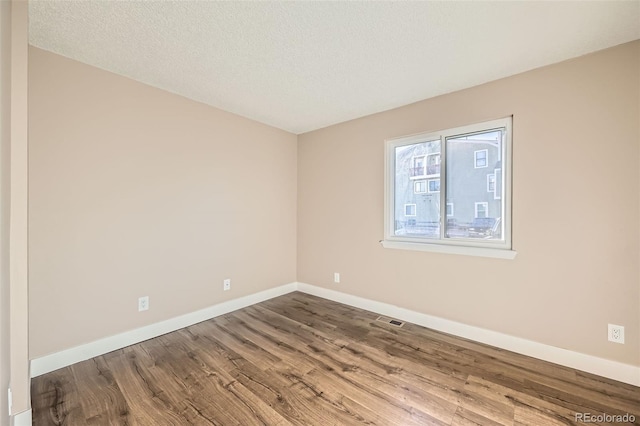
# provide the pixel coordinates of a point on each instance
(450, 209)
(433, 164)
(434, 185)
(481, 210)
(412, 163)
(418, 166)
(409, 210)
(481, 158)
(478, 212)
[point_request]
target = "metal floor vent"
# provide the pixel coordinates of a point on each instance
(394, 322)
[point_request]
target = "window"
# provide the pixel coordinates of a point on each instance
(481, 222)
(425, 165)
(420, 186)
(491, 183)
(410, 210)
(481, 209)
(497, 178)
(433, 164)
(418, 168)
(434, 185)
(480, 158)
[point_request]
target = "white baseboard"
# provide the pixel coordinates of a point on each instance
(22, 419)
(602, 367)
(70, 356)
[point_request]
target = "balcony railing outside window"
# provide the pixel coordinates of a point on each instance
(433, 169)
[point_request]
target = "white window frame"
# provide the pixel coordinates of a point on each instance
(489, 176)
(415, 210)
(484, 204)
(496, 194)
(486, 158)
(473, 247)
(415, 186)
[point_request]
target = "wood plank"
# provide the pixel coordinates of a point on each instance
(526, 415)
(464, 417)
(221, 398)
(145, 387)
(214, 359)
(56, 400)
(102, 401)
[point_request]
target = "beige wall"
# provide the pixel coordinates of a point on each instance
(5, 168)
(576, 194)
(135, 191)
(14, 286)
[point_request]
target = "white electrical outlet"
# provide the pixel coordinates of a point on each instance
(336, 277)
(226, 284)
(616, 333)
(143, 303)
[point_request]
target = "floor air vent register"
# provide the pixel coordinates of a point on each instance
(391, 321)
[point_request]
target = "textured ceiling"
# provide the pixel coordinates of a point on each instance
(304, 65)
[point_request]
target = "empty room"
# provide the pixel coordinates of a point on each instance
(320, 213)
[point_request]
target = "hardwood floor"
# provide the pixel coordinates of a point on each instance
(301, 360)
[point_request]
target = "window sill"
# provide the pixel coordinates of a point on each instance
(451, 249)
